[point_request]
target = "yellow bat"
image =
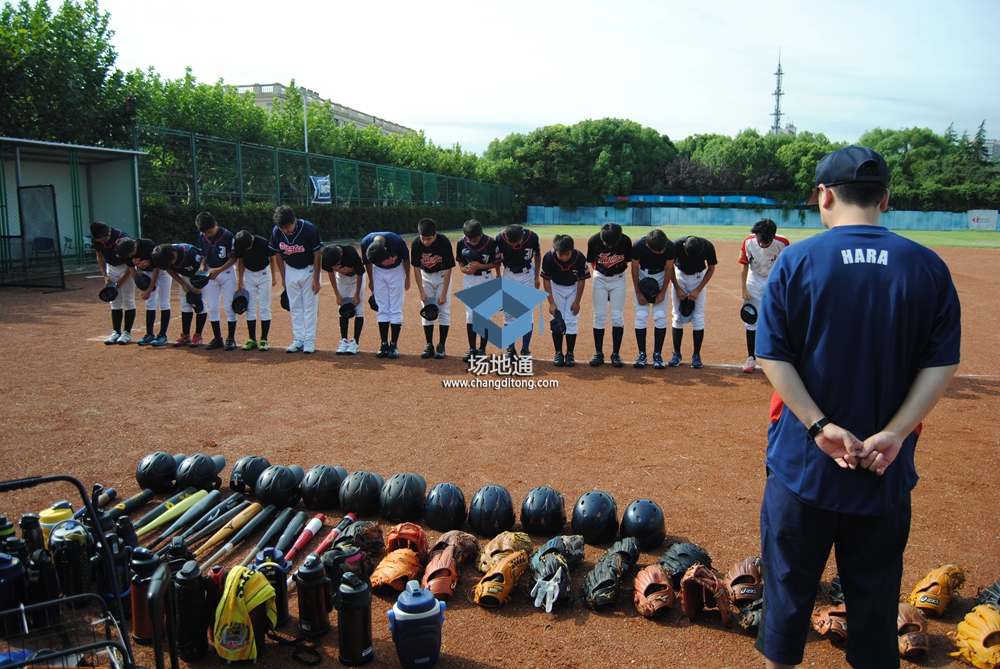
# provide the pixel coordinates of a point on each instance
(173, 512)
(229, 529)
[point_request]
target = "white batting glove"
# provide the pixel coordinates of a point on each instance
(546, 592)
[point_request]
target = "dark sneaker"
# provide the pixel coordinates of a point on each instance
(696, 361)
(559, 361)
(640, 360)
(428, 351)
(230, 344)
(658, 361)
(616, 360)
(469, 355)
(525, 353)
(675, 359)
(383, 351)
(570, 360)
(393, 351)
(160, 340)
(214, 344)
(511, 353)
(146, 340)
(597, 360)
(439, 353)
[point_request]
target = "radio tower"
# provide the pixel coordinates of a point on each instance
(776, 128)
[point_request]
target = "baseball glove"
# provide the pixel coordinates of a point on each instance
(501, 546)
(497, 586)
(682, 556)
(990, 595)
(373, 305)
(407, 535)
(977, 637)
(142, 280)
(750, 615)
(700, 588)
(743, 582)
(444, 566)
(550, 580)
(466, 544)
(285, 304)
(570, 546)
(912, 629)
(831, 622)
(195, 300)
(932, 594)
(396, 568)
(363, 534)
(653, 590)
(600, 586)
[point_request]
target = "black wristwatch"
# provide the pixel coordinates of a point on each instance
(817, 427)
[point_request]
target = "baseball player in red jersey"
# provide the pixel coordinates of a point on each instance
(478, 259)
(140, 251)
(118, 270)
(521, 255)
(609, 253)
(757, 256)
(432, 259)
(564, 271)
(348, 278)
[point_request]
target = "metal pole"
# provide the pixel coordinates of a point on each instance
(194, 172)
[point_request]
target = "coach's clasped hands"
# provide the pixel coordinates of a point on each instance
(874, 454)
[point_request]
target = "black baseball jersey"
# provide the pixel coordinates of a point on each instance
(143, 258)
(518, 257)
(689, 265)
(565, 273)
(609, 262)
(218, 248)
(486, 249)
(350, 262)
(188, 260)
(107, 249)
(257, 257)
(652, 263)
(434, 258)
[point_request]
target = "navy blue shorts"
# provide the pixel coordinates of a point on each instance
(796, 539)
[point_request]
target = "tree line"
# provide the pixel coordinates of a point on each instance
(60, 83)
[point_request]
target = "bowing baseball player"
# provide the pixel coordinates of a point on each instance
(157, 291)
(117, 270)
(609, 252)
(757, 256)
(432, 259)
(478, 259)
(387, 262)
(256, 273)
(296, 243)
(520, 254)
(564, 272)
(348, 278)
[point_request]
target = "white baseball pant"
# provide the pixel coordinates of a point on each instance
(565, 296)
(223, 285)
(185, 307)
(159, 297)
(689, 282)
(755, 288)
(432, 282)
(389, 286)
(525, 278)
(303, 303)
(470, 280)
(659, 310)
(347, 284)
(126, 292)
(609, 289)
(258, 285)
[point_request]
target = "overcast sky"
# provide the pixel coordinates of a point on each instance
(469, 72)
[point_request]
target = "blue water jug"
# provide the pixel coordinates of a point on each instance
(415, 621)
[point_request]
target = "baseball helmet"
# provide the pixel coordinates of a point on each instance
(650, 288)
(491, 511)
(557, 324)
(194, 299)
(429, 312)
(748, 313)
(687, 310)
(279, 485)
(470, 255)
(241, 300)
(402, 497)
(284, 301)
(109, 292)
(201, 472)
(321, 486)
(595, 516)
(199, 280)
(359, 493)
(142, 280)
(543, 511)
(643, 519)
(245, 473)
(372, 303)
(444, 509)
(158, 471)
(347, 310)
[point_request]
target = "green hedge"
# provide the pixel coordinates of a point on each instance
(170, 223)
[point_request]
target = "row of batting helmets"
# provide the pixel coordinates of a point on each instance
(162, 472)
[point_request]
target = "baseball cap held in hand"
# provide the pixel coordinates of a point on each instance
(844, 166)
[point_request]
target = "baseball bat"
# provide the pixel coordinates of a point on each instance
(229, 529)
(131, 504)
(255, 523)
(102, 499)
(164, 507)
(312, 527)
(210, 528)
(327, 541)
(173, 512)
(196, 511)
(274, 530)
(291, 532)
(213, 514)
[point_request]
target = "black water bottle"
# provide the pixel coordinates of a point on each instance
(315, 597)
(119, 586)
(190, 612)
(142, 565)
(31, 532)
(43, 586)
(354, 621)
(125, 530)
(272, 564)
(6, 528)
(177, 555)
(69, 543)
(12, 584)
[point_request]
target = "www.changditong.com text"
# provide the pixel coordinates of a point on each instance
(497, 384)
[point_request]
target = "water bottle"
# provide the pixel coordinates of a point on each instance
(415, 621)
(271, 563)
(31, 532)
(190, 612)
(141, 567)
(125, 530)
(120, 587)
(43, 586)
(315, 597)
(177, 555)
(12, 583)
(6, 528)
(52, 516)
(354, 621)
(69, 546)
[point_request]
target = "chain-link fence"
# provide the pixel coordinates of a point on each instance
(183, 167)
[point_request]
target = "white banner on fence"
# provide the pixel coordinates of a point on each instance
(322, 194)
(982, 219)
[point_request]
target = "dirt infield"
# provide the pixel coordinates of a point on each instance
(692, 440)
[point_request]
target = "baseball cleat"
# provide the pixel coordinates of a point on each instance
(696, 361)
(616, 360)
(570, 360)
(250, 345)
(439, 353)
(393, 351)
(558, 361)
(160, 340)
(262, 345)
(342, 347)
(383, 351)
(428, 351)
(511, 353)
(112, 338)
(183, 340)
(525, 353)
(675, 359)
(195, 340)
(294, 347)
(640, 360)
(469, 355)
(352, 347)
(750, 365)
(597, 360)
(309, 347)
(230, 344)
(481, 353)
(125, 338)
(214, 344)
(658, 362)
(146, 340)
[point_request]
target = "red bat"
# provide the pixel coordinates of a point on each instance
(312, 527)
(334, 533)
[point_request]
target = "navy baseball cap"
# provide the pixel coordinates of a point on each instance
(842, 166)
